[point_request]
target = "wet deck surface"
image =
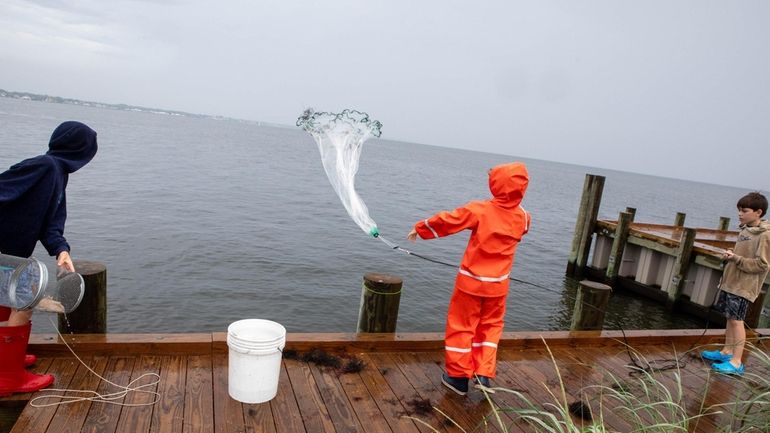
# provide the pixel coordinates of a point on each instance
(393, 385)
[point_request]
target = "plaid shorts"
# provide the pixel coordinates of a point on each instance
(732, 306)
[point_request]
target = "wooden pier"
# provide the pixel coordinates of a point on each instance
(677, 265)
(400, 379)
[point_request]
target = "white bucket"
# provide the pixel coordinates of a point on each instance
(254, 360)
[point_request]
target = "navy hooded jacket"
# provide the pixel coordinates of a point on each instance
(33, 204)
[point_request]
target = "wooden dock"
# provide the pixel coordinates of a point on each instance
(677, 265)
(400, 379)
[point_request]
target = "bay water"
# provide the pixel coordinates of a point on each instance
(202, 222)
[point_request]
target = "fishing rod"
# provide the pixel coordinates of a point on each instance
(395, 246)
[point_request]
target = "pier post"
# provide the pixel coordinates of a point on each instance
(380, 298)
(679, 219)
(584, 226)
(724, 223)
(632, 211)
(590, 305)
(91, 315)
(681, 265)
(618, 245)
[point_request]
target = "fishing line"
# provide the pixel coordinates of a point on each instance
(94, 396)
(668, 363)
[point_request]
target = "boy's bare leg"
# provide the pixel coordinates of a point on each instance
(729, 339)
(739, 339)
(19, 318)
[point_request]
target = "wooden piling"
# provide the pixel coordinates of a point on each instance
(90, 317)
(380, 298)
(618, 245)
(679, 219)
(724, 223)
(632, 211)
(681, 266)
(584, 226)
(590, 306)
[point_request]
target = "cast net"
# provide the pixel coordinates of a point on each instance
(340, 137)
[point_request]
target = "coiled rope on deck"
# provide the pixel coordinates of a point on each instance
(93, 396)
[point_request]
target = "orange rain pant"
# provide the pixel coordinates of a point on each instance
(473, 329)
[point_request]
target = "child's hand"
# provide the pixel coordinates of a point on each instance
(64, 261)
(412, 236)
(728, 255)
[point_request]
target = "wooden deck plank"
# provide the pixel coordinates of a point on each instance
(137, 415)
(484, 413)
(315, 415)
(121, 344)
(37, 419)
(70, 417)
(340, 410)
(258, 418)
(103, 417)
(612, 366)
(409, 398)
(580, 380)
(190, 344)
(534, 375)
(168, 414)
(424, 386)
(199, 395)
(389, 405)
(618, 366)
(708, 389)
(422, 374)
(228, 413)
(364, 404)
(286, 412)
(467, 411)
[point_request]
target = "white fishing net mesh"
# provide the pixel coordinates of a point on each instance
(340, 137)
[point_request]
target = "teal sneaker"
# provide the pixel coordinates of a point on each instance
(728, 368)
(715, 355)
(456, 384)
(482, 382)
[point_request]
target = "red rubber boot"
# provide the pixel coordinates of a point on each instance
(5, 314)
(13, 377)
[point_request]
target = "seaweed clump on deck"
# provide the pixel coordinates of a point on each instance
(581, 409)
(343, 364)
(418, 406)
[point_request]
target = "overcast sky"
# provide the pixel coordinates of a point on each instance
(671, 88)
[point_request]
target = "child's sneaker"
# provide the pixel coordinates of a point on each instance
(456, 384)
(715, 355)
(482, 382)
(728, 368)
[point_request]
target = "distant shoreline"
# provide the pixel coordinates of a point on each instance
(123, 107)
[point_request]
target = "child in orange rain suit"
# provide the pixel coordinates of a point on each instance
(477, 308)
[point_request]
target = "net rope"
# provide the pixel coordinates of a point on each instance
(63, 396)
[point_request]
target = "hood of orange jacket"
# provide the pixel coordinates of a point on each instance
(508, 183)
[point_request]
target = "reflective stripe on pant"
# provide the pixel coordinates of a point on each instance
(473, 329)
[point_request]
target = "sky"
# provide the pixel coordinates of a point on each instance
(674, 88)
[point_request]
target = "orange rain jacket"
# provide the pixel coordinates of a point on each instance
(496, 225)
